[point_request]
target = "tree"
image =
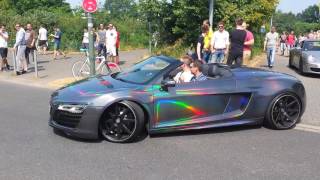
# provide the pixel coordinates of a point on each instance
(22, 6)
(310, 15)
(120, 8)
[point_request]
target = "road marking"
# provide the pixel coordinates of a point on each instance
(309, 128)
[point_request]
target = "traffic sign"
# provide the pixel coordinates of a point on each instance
(90, 6)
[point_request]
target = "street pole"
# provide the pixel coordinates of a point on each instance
(211, 7)
(150, 43)
(271, 23)
(91, 46)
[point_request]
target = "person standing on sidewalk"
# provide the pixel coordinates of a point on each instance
(207, 42)
(117, 45)
(57, 42)
(237, 38)
(31, 39)
(85, 39)
(200, 43)
(270, 45)
(111, 40)
(4, 48)
(43, 39)
(283, 39)
(249, 41)
(101, 40)
(20, 46)
(219, 44)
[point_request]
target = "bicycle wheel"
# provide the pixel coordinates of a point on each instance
(110, 68)
(80, 69)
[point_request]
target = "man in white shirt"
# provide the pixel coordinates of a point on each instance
(219, 44)
(4, 48)
(43, 39)
(185, 75)
(111, 39)
(270, 45)
(20, 46)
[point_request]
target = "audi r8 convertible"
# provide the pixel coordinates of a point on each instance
(119, 107)
(306, 57)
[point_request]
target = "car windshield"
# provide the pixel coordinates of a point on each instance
(144, 71)
(312, 46)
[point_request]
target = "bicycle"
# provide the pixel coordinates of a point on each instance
(81, 69)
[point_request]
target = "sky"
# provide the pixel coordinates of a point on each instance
(294, 6)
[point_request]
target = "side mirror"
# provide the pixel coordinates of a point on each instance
(165, 84)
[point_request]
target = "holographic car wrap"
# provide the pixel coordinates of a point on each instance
(239, 98)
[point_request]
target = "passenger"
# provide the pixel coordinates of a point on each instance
(196, 69)
(185, 75)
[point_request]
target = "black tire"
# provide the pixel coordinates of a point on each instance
(122, 122)
(300, 69)
(284, 112)
(290, 61)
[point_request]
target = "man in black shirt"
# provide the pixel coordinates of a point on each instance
(237, 39)
(200, 43)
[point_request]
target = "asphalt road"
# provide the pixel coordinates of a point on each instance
(311, 83)
(29, 149)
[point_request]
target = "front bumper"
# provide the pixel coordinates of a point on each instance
(83, 125)
(312, 68)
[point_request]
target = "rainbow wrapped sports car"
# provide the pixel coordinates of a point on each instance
(121, 106)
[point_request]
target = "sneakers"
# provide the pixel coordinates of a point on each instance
(18, 73)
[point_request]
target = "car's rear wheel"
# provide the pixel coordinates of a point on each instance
(284, 111)
(290, 61)
(301, 67)
(122, 122)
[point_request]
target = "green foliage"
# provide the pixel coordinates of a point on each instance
(310, 15)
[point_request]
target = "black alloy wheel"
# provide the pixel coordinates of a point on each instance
(122, 122)
(284, 112)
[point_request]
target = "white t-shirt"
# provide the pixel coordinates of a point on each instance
(111, 36)
(220, 40)
(183, 77)
(85, 37)
(3, 42)
(43, 34)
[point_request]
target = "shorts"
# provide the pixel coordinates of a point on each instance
(4, 53)
(42, 43)
(111, 50)
(57, 45)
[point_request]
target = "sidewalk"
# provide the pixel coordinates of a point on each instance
(54, 74)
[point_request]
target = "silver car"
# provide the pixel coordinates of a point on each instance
(306, 57)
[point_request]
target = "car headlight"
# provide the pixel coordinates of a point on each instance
(72, 108)
(311, 59)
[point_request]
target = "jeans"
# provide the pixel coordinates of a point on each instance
(271, 51)
(217, 56)
(206, 56)
(102, 47)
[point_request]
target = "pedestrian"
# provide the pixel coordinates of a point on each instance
(43, 39)
(101, 40)
(20, 46)
(85, 39)
(4, 37)
(249, 41)
(57, 43)
(31, 40)
(200, 43)
(237, 39)
(117, 45)
(207, 42)
(219, 44)
(311, 35)
(283, 39)
(291, 40)
(111, 39)
(270, 45)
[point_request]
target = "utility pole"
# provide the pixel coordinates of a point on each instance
(91, 46)
(211, 8)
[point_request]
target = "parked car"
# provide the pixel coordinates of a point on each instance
(119, 107)
(306, 57)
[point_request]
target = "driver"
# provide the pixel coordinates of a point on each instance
(196, 69)
(185, 75)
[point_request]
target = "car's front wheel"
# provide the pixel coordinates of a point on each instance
(122, 122)
(284, 111)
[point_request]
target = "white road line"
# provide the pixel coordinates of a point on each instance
(309, 128)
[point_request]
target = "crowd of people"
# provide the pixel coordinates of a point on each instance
(106, 41)
(26, 42)
(213, 47)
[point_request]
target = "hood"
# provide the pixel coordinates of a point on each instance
(315, 54)
(90, 88)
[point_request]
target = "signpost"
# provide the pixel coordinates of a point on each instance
(90, 6)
